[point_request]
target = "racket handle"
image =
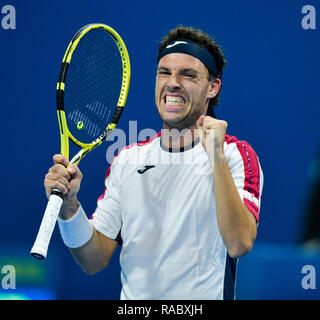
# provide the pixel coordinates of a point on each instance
(40, 247)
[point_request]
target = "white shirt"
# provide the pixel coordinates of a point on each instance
(172, 247)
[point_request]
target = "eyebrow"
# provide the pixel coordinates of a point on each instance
(182, 71)
(163, 69)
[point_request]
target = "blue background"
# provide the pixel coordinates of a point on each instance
(269, 98)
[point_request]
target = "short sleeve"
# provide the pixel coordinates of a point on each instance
(107, 216)
(246, 173)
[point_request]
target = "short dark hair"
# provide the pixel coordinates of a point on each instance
(204, 40)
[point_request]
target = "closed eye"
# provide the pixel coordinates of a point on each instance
(189, 74)
(163, 72)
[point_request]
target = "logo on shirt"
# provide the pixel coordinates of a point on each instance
(145, 168)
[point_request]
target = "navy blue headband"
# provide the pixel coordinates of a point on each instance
(191, 48)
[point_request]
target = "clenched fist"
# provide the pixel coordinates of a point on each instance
(212, 133)
(65, 178)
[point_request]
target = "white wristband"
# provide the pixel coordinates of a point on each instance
(77, 230)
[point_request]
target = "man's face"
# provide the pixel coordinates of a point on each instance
(182, 90)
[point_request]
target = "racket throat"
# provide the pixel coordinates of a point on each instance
(76, 159)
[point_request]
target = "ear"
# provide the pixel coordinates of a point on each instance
(214, 87)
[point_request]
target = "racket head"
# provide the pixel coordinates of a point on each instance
(92, 87)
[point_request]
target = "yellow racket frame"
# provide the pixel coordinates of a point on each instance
(65, 134)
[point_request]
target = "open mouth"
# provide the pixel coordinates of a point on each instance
(173, 101)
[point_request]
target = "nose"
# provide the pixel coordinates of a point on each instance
(173, 83)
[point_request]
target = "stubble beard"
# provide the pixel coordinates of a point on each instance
(185, 122)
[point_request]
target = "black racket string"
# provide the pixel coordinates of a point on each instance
(93, 85)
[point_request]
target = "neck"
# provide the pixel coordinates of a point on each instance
(175, 139)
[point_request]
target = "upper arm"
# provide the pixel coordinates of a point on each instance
(247, 175)
(107, 218)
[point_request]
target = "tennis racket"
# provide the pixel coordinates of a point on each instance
(92, 90)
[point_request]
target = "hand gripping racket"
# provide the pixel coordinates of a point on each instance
(92, 90)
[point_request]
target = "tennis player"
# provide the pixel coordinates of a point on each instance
(184, 221)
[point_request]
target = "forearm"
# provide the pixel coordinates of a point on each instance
(91, 257)
(236, 224)
(91, 250)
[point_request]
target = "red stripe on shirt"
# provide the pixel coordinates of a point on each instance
(251, 172)
(252, 208)
(251, 165)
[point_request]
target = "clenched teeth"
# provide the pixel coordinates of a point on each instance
(174, 100)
